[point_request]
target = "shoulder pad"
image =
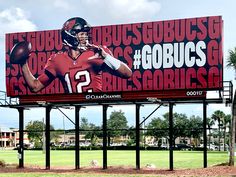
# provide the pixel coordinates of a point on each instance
(55, 55)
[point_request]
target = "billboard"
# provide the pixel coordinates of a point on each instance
(177, 59)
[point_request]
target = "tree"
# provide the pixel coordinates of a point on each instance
(180, 125)
(161, 126)
(84, 125)
(93, 134)
(158, 128)
(232, 135)
(231, 62)
(219, 117)
(210, 123)
(117, 125)
(226, 125)
(90, 130)
(132, 136)
(35, 132)
(195, 123)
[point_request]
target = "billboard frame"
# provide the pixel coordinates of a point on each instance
(171, 103)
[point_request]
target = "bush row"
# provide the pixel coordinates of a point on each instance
(111, 148)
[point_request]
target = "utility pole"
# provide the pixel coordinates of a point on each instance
(144, 141)
(64, 136)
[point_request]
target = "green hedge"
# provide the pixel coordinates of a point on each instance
(108, 148)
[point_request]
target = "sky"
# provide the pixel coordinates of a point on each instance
(29, 15)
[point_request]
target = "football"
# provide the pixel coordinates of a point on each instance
(20, 52)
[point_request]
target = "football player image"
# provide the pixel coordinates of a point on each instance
(80, 66)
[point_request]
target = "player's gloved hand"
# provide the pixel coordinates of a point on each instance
(97, 49)
(112, 62)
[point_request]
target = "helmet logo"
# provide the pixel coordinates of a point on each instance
(69, 24)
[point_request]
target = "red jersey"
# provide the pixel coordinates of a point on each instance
(77, 76)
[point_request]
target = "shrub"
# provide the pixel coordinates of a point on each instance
(2, 163)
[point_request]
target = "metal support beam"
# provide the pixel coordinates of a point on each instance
(171, 162)
(77, 151)
(137, 136)
(66, 116)
(151, 114)
(104, 126)
(204, 134)
(21, 138)
(47, 136)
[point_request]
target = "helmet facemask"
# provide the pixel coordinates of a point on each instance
(83, 40)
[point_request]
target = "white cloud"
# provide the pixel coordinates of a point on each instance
(12, 20)
(15, 20)
(122, 11)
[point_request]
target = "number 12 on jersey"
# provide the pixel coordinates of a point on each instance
(79, 84)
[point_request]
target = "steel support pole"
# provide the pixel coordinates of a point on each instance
(137, 112)
(171, 162)
(21, 138)
(104, 126)
(204, 134)
(47, 137)
(77, 146)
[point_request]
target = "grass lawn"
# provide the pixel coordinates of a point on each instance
(182, 159)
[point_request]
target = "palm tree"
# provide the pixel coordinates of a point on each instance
(210, 123)
(219, 117)
(226, 125)
(231, 62)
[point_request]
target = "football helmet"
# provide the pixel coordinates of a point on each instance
(70, 29)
